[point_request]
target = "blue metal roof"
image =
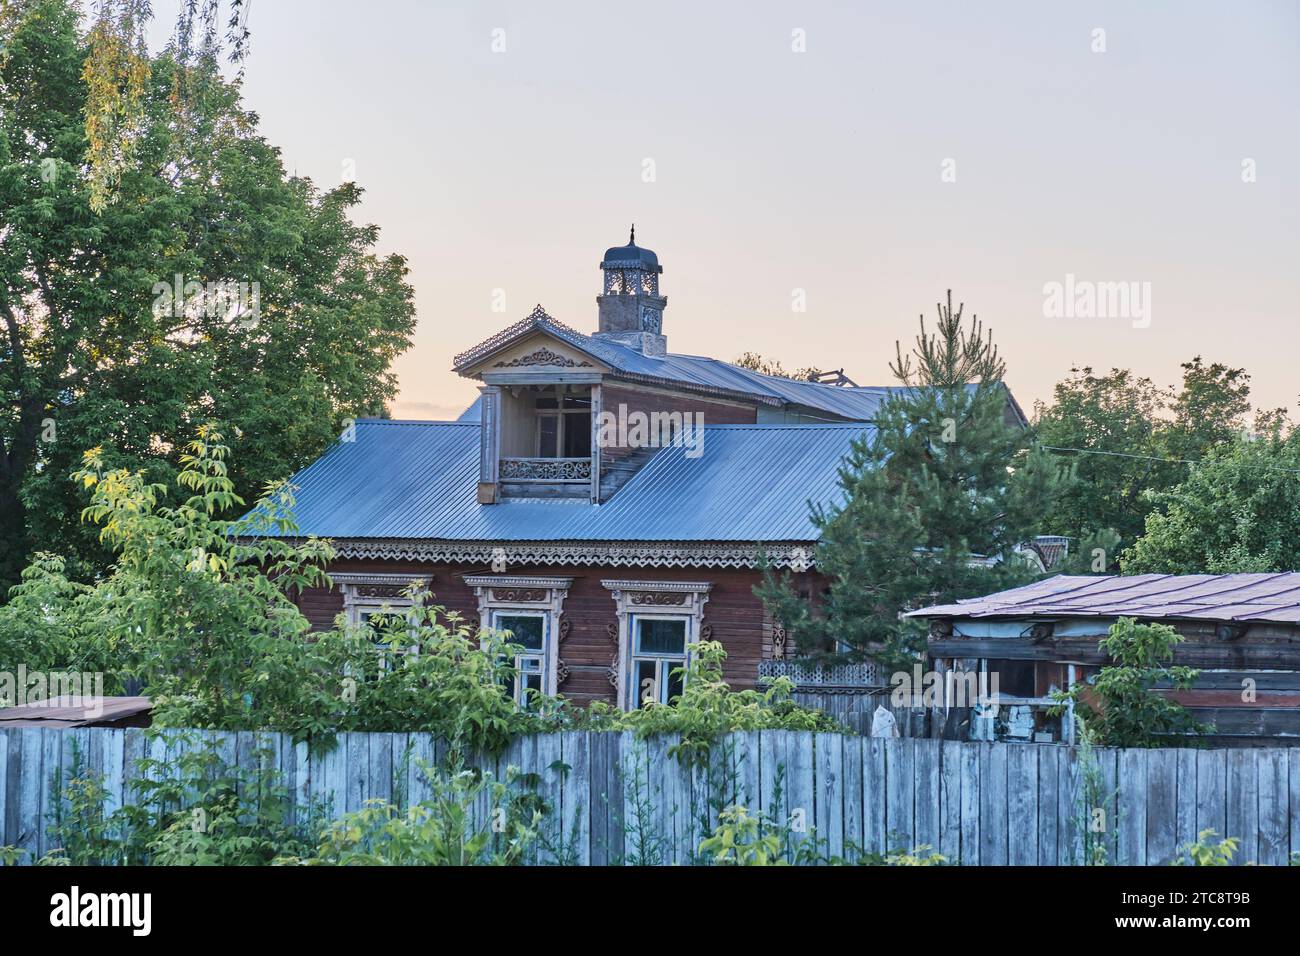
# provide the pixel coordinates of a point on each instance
(844, 402)
(407, 480)
(1214, 597)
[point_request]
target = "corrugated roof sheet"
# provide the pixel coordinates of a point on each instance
(1214, 597)
(403, 479)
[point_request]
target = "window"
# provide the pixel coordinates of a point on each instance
(529, 631)
(530, 609)
(563, 424)
(657, 623)
(658, 654)
(373, 600)
(380, 622)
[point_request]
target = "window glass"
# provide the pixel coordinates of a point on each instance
(577, 436)
(647, 681)
(525, 629)
(660, 636)
(548, 434)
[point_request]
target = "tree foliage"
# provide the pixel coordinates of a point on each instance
(936, 502)
(1239, 511)
(757, 363)
(1129, 440)
(95, 347)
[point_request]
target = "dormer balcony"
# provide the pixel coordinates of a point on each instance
(543, 440)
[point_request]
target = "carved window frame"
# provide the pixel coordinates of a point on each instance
(652, 599)
(378, 591)
(514, 594)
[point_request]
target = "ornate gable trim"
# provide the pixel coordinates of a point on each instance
(543, 356)
(535, 321)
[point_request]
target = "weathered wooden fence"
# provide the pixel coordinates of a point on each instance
(988, 804)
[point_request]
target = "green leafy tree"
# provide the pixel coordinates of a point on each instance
(96, 349)
(1238, 511)
(935, 503)
(757, 363)
(1210, 409)
(1122, 707)
(1129, 440)
(1115, 412)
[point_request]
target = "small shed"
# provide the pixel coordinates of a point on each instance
(66, 712)
(1242, 631)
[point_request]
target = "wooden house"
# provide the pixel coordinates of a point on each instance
(604, 499)
(1241, 630)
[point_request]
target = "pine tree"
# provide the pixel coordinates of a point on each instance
(936, 500)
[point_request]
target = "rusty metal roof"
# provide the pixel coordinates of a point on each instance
(1210, 597)
(73, 712)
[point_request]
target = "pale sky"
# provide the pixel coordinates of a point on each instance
(823, 170)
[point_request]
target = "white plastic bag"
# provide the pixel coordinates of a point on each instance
(883, 723)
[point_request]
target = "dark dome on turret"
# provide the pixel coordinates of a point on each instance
(631, 256)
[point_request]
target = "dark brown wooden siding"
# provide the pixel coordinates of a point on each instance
(734, 614)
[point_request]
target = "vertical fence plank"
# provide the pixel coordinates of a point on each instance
(1069, 809)
(1271, 765)
(875, 796)
(852, 761)
(356, 768)
(1022, 805)
(1131, 826)
(900, 806)
(1162, 806)
(799, 779)
(950, 799)
(1211, 791)
(424, 761)
(548, 766)
(575, 796)
(993, 805)
(925, 773)
(1293, 759)
(1049, 820)
(30, 819)
(4, 786)
(1185, 825)
(1243, 802)
(379, 778)
(969, 755)
(830, 794)
(772, 791)
(620, 789)
(750, 769)
(53, 780)
(598, 825)
(1108, 760)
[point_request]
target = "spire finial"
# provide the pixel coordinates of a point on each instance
(632, 239)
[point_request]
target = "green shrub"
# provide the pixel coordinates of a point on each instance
(194, 810)
(438, 831)
(708, 708)
(1206, 852)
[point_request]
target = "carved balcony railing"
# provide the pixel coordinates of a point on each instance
(546, 469)
(808, 676)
